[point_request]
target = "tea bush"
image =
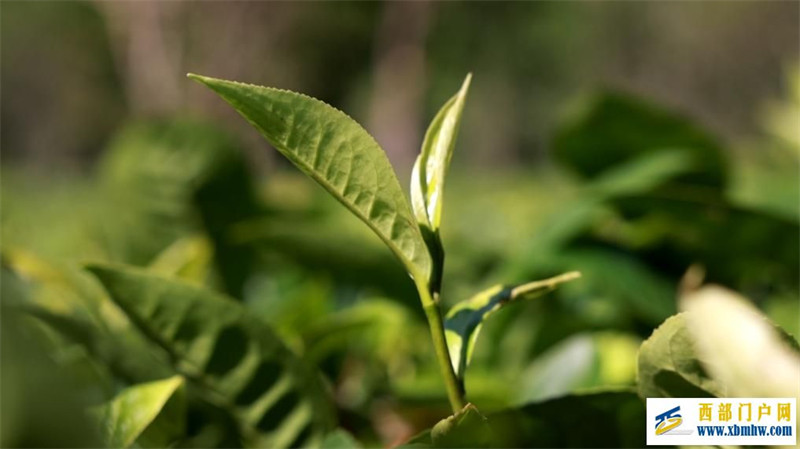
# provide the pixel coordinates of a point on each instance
(218, 312)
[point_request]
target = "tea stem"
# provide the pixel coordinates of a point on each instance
(455, 389)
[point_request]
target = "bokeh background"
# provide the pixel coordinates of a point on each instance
(627, 140)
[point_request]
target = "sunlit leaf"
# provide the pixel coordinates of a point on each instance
(740, 347)
(238, 362)
(587, 360)
(340, 155)
(126, 416)
(670, 367)
(430, 169)
(463, 321)
(188, 258)
(720, 346)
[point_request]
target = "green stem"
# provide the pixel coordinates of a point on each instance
(455, 390)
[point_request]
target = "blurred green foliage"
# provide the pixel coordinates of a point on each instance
(176, 198)
(630, 193)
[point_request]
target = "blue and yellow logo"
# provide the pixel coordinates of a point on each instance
(668, 420)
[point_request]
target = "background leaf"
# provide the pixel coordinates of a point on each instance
(175, 178)
(738, 339)
(669, 366)
(237, 361)
(43, 405)
(338, 154)
(125, 418)
(467, 428)
(611, 128)
(605, 419)
(703, 352)
(602, 419)
(578, 363)
(340, 439)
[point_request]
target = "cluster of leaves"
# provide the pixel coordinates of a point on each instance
(180, 338)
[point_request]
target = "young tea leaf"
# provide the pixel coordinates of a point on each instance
(430, 170)
(125, 418)
(236, 360)
(463, 322)
(340, 155)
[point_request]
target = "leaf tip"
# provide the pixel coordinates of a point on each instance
(539, 287)
(199, 78)
(466, 83)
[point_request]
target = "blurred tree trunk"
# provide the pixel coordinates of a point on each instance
(396, 102)
(148, 53)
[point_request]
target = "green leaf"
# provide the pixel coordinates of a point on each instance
(601, 419)
(429, 173)
(463, 322)
(236, 360)
(669, 365)
(156, 178)
(467, 428)
(598, 419)
(169, 427)
(188, 258)
(315, 244)
(743, 350)
(420, 440)
(340, 155)
(430, 169)
(43, 402)
(582, 361)
(717, 347)
(340, 439)
(638, 176)
(641, 174)
(126, 416)
(612, 128)
(71, 303)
